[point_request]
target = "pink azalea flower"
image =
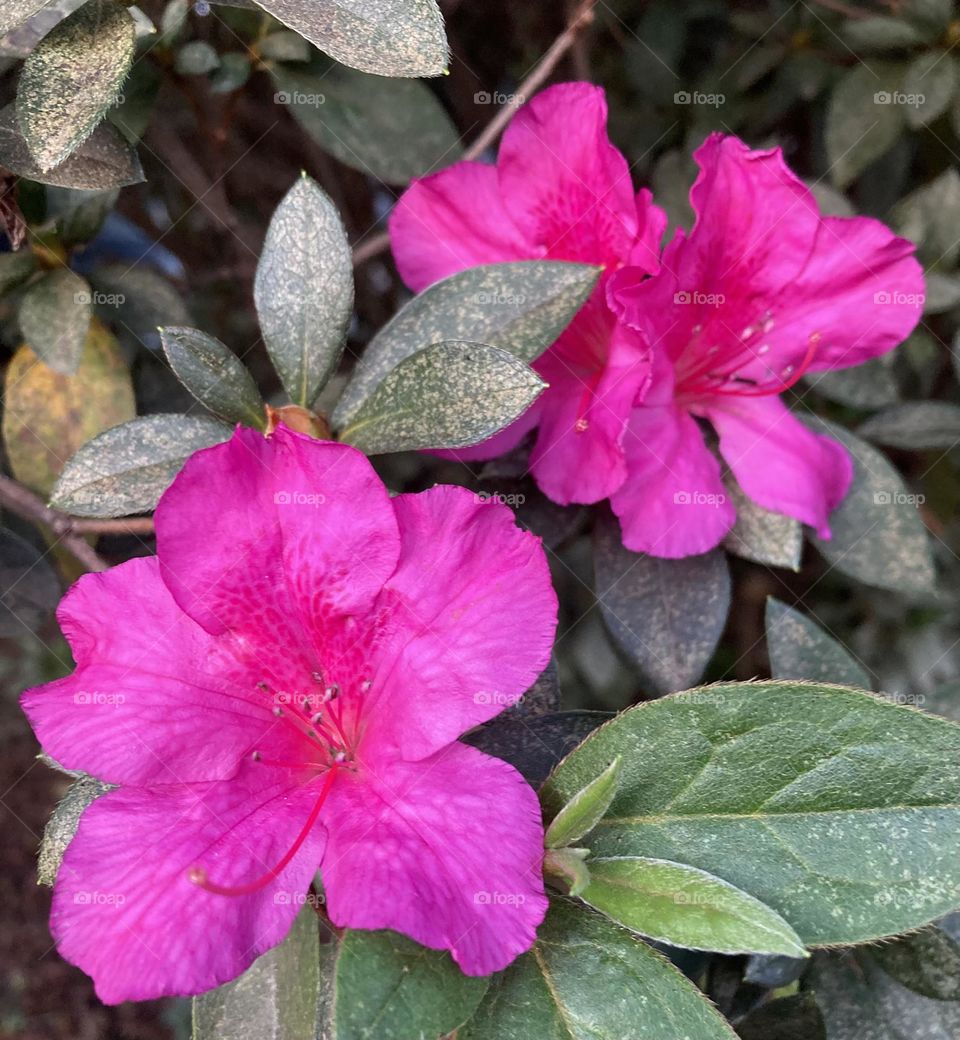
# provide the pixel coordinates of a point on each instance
(560, 190)
(764, 290)
(281, 690)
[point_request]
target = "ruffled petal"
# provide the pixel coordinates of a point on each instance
(126, 912)
(453, 220)
(447, 850)
(467, 582)
(779, 462)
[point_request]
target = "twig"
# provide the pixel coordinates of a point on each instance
(580, 19)
(68, 529)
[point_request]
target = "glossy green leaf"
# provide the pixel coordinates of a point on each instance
(915, 426)
(274, 999)
(864, 118)
(848, 805)
(390, 129)
(520, 307)
(668, 615)
(386, 37)
(588, 979)
(304, 290)
(585, 809)
(55, 317)
(446, 396)
(72, 77)
(126, 469)
(683, 906)
(215, 376)
(800, 649)
(62, 826)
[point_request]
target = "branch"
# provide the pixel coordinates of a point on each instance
(68, 529)
(579, 20)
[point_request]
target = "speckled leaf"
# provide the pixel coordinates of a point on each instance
(127, 469)
(859, 1001)
(870, 385)
(48, 415)
(668, 615)
(926, 215)
(769, 538)
(63, 824)
(16, 268)
(72, 77)
(520, 307)
(446, 396)
(104, 160)
(55, 316)
(215, 376)
(683, 906)
(16, 12)
(274, 999)
(933, 77)
(795, 1017)
(836, 808)
(799, 649)
(860, 128)
(390, 129)
(928, 962)
(878, 535)
(390, 988)
(386, 37)
(304, 290)
(588, 979)
(584, 810)
(29, 586)
(915, 426)
(142, 300)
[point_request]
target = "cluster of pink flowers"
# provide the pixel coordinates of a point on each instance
(703, 336)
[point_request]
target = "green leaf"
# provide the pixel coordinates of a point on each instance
(55, 317)
(870, 385)
(683, 906)
(390, 988)
(304, 290)
(386, 37)
(926, 215)
(915, 426)
(285, 46)
(587, 979)
(928, 962)
(931, 76)
(878, 535)
(126, 469)
(942, 292)
(215, 376)
(795, 1017)
(196, 58)
(16, 12)
(668, 615)
(16, 268)
(800, 650)
(864, 118)
(144, 300)
(446, 396)
(880, 33)
(79, 214)
(62, 826)
(848, 805)
(274, 999)
(759, 535)
(29, 586)
(585, 809)
(569, 867)
(390, 129)
(519, 307)
(72, 77)
(103, 161)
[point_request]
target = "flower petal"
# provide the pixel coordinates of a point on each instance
(265, 537)
(779, 462)
(447, 850)
(468, 581)
(450, 221)
(125, 911)
(155, 698)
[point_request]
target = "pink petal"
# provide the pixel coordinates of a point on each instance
(652, 221)
(450, 221)
(447, 850)
(266, 537)
(564, 184)
(125, 911)
(155, 698)
(467, 582)
(779, 463)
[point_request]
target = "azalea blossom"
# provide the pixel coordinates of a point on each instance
(764, 290)
(280, 691)
(560, 190)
